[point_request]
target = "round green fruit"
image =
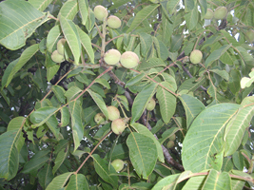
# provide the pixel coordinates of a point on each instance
(118, 164)
(220, 13)
(209, 14)
(57, 57)
(170, 144)
(172, 137)
(114, 22)
(151, 105)
(129, 59)
(118, 126)
(100, 12)
(99, 118)
(113, 113)
(112, 57)
(60, 46)
(196, 56)
(250, 35)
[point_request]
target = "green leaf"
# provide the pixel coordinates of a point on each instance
(60, 158)
(143, 153)
(86, 43)
(36, 162)
(151, 63)
(172, 6)
(99, 101)
(9, 155)
(52, 37)
(189, 5)
(83, 10)
(59, 92)
(105, 171)
(192, 18)
(215, 55)
(141, 16)
(141, 101)
(59, 181)
(72, 92)
(236, 127)
(194, 183)
(90, 20)
(77, 181)
(16, 123)
(166, 134)
(224, 74)
(65, 117)
(192, 107)
(40, 5)
(146, 41)
(217, 180)
(167, 102)
(52, 124)
(69, 10)
(41, 115)
(203, 144)
(75, 109)
(144, 131)
(16, 65)
(72, 37)
(15, 31)
(176, 42)
(134, 80)
(118, 3)
(51, 71)
(167, 182)
(45, 175)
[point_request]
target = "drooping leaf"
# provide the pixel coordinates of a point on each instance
(141, 16)
(86, 43)
(141, 101)
(40, 5)
(236, 127)
(52, 124)
(41, 115)
(167, 102)
(69, 9)
(203, 144)
(61, 156)
(224, 74)
(83, 9)
(192, 17)
(143, 153)
(51, 71)
(52, 37)
(59, 181)
(45, 175)
(15, 31)
(144, 131)
(167, 182)
(194, 183)
(192, 107)
(77, 181)
(145, 40)
(59, 92)
(72, 36)
(217, 180)
(151, 63)
(75, 109)
(105, 171)
(72, 92)
(65, 117)
(16, 123)
(16, 65)
(99, 101)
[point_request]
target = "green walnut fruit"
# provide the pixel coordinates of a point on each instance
(220, 13)
(113, 113)
(209, 14)
(118, 126)
(170, 144)
(118, 164)
(172, 137)
(114, 22)
(100, 12)
(112, 57)
(57, 57)
(196, 56)
(99, 118)
(60, 46)
(250, 35)
(129, 59)
(151, 105)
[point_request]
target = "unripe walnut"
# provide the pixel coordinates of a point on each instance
(100, 12)
(99, 118)
(60, 46)
(209, 14)
(220, 12)
(151, 105)
(172, 137)
(114, 22)
(170, 144)
(57, 57)
(113, 113)
(118, 164)
(112, 57)
(129, 59)
(118, 126)
(250, 35)
(196, 56)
